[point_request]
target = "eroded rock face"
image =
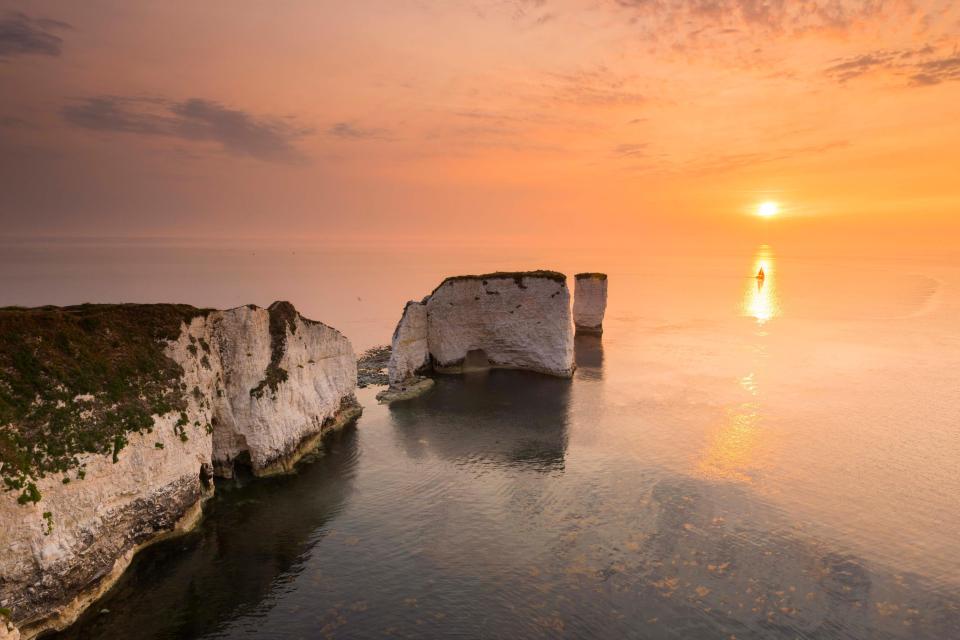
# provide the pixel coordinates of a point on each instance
(284, 378)
(259, 385)
(590, 302)
(8, 631)
(500, 320)
(409, 354)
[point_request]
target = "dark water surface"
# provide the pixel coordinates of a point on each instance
(731, 460)
(465, 514)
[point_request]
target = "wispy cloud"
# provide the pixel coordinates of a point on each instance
(196, 119)
(919, 66)
(633, 150)
(22, 35)
(744, 33)
(732, 161)
(597, 87)
(937, 70)
(772, 15)
(526, 12)
(351, 131)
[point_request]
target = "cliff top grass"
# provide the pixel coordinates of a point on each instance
(586, 276)
(516, 276)
(78, 379)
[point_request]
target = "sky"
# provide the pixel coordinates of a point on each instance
(481, 121)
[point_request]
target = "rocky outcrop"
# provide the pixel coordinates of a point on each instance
(409, 353)
(284, 379)
(590, 302)
(7, 630)
(497, 320)
(257, 386)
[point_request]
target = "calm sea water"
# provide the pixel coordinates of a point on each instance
(730, 460)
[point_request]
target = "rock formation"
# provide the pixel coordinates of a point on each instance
(248, 384)
(590, 302)
(497, 320)
(7, 630)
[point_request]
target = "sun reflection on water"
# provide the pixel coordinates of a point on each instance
(732, 451)
(760, 299)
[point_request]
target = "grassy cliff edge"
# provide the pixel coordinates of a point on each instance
(77, 380)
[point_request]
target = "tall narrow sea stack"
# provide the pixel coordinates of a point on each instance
(501, 320)
(590, 302)
(114, 418)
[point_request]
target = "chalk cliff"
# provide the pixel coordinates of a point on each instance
(202, 389)
(590, 302)
(497, 320)
(409, 354)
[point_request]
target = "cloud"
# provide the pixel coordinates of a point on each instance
(937, 70)
(597, 87)
(919, 66)
(773, 15)
(350, 131)
(733, 161)
(528, 12)
(22, 35)
(196, 119)
(858, 65)
(631, 150)
(744, 32)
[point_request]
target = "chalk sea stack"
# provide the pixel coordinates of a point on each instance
(515, 320)
(590, 302)
(114, 418)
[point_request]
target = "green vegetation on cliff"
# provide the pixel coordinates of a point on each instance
(76, 380)
(517, 277)
(282, 317)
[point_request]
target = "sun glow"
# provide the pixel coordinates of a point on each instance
(768, 209)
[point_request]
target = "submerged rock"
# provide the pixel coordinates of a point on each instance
(410, 388)
(590, 302)
(498, 320)
(203, 390)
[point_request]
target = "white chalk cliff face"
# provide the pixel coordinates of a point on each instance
(409, 355)
(260, 385)
(502, 320)
(253, 417)
(590, 302)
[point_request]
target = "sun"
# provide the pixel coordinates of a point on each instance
(768, 209)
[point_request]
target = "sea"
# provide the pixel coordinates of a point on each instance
(733, 458)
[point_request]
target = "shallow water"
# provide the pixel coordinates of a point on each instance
(731, 459)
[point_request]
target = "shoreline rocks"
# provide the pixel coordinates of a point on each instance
(590, 302)
(372, 367)
(256, 386)
(510, 320)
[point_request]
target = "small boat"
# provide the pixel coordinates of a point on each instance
(760, 275)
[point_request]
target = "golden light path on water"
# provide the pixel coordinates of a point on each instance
(732, 453)
(761, 297)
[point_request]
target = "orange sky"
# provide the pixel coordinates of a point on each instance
(567, 121)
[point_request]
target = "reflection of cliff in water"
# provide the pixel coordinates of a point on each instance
(256, 532)
(491, 417)
(588, 354)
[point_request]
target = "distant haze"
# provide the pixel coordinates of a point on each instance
(559, 122)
